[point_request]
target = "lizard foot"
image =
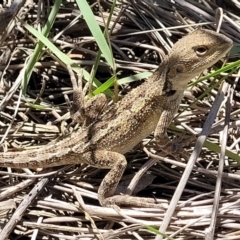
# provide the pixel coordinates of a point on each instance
(175, 148)
(126, 200)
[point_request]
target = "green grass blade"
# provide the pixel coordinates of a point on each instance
(216, 148)
(63, 57)
(95, 30)
(38, 49)
(217, 72)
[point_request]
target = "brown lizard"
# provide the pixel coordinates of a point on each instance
(149, 107)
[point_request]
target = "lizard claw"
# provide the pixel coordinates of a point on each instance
(175, 148)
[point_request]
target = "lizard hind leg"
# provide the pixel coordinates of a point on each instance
(77, 109)
(84, 110)
(117, 163)
(114, 161)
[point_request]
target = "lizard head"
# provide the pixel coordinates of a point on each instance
(194, 53)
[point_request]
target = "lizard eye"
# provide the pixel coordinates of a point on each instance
(201, 50)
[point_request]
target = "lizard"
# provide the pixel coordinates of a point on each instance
(104, 140)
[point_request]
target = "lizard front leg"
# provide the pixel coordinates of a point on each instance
(173, 148)
(160, 133)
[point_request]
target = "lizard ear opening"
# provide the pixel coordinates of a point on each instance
(180, 68)
(201, 50)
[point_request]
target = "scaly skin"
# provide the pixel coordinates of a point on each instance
(149, 107)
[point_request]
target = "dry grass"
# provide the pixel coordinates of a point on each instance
(61, 203)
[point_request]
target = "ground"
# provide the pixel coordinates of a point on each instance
(34, 112)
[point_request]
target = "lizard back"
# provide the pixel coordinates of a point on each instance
(138, 113)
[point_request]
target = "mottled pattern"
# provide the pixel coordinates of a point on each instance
(149, 107)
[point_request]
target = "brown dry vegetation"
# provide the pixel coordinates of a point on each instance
(61, 203)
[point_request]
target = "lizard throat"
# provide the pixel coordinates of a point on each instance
(167, 88)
